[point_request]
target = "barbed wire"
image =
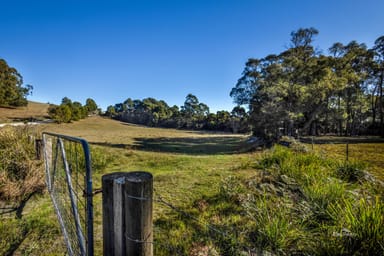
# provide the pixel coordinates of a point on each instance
(160, 199)
(222, 234)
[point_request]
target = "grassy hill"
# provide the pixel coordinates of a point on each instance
(34, 110)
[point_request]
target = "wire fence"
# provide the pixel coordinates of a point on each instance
(69, 182)
(208, 233)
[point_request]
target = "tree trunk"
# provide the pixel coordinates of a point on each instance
(381, 111)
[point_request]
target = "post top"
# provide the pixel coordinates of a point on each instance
(134, 176)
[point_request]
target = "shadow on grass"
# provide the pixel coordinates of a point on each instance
(184, 145)
(193, 146)
(342, 140)
(112, 145)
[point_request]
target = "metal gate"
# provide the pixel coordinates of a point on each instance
(69, 181)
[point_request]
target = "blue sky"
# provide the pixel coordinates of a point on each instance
(112, 50)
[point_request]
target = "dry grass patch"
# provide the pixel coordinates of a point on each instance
(34, 110)
(115, 134)
(20, 173)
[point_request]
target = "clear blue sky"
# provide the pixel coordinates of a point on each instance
(111, 50)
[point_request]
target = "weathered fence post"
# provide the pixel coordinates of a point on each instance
(38, 148)
(127, 213)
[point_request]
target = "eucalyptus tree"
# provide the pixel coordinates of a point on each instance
(351, 65)
(276, 88)
(193, 112)
(91, 106)
(12, 90)
(378, 50)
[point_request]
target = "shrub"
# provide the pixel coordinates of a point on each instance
(20, 174)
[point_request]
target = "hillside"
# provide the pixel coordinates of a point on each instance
(34, 110)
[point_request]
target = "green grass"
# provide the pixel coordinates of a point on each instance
(225, 202)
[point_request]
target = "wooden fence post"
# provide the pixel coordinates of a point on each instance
(127, 213)
(38, 148)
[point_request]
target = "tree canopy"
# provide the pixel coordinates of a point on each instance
(69, 111)
(12, 91)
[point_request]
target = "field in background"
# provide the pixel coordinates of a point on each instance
(208, 176)
(366, 149)
(34, 110)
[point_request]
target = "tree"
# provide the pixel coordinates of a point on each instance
(91, 106)
(78, 111)
(12, 91)
(191, 105)
(379, 74)
(66, 101)
(68, 111)
(239, 120)
(61, 114)
(111, 112)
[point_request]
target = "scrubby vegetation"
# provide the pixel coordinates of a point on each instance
(21, 175)
(21, 182)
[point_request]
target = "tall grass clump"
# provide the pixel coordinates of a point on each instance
(276, 227)
(350, 171)
(320, 195)
(300, 203)
(21, 175)
(360, 225)
(275, 157)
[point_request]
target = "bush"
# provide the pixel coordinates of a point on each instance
(20, 174)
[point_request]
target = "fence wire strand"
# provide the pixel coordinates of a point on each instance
(213, 235)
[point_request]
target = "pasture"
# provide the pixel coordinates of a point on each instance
(214, 198)
(34, 110)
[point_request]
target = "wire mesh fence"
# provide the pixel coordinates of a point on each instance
(69, 182)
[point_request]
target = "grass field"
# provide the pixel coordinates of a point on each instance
(229, 202)
(34, 110)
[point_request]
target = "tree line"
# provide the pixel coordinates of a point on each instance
(191, 115)
(304, 91)
(300, 91)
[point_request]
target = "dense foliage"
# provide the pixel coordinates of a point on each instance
(69, 111)
(192, 115)
(302, 90)
(12, 91)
